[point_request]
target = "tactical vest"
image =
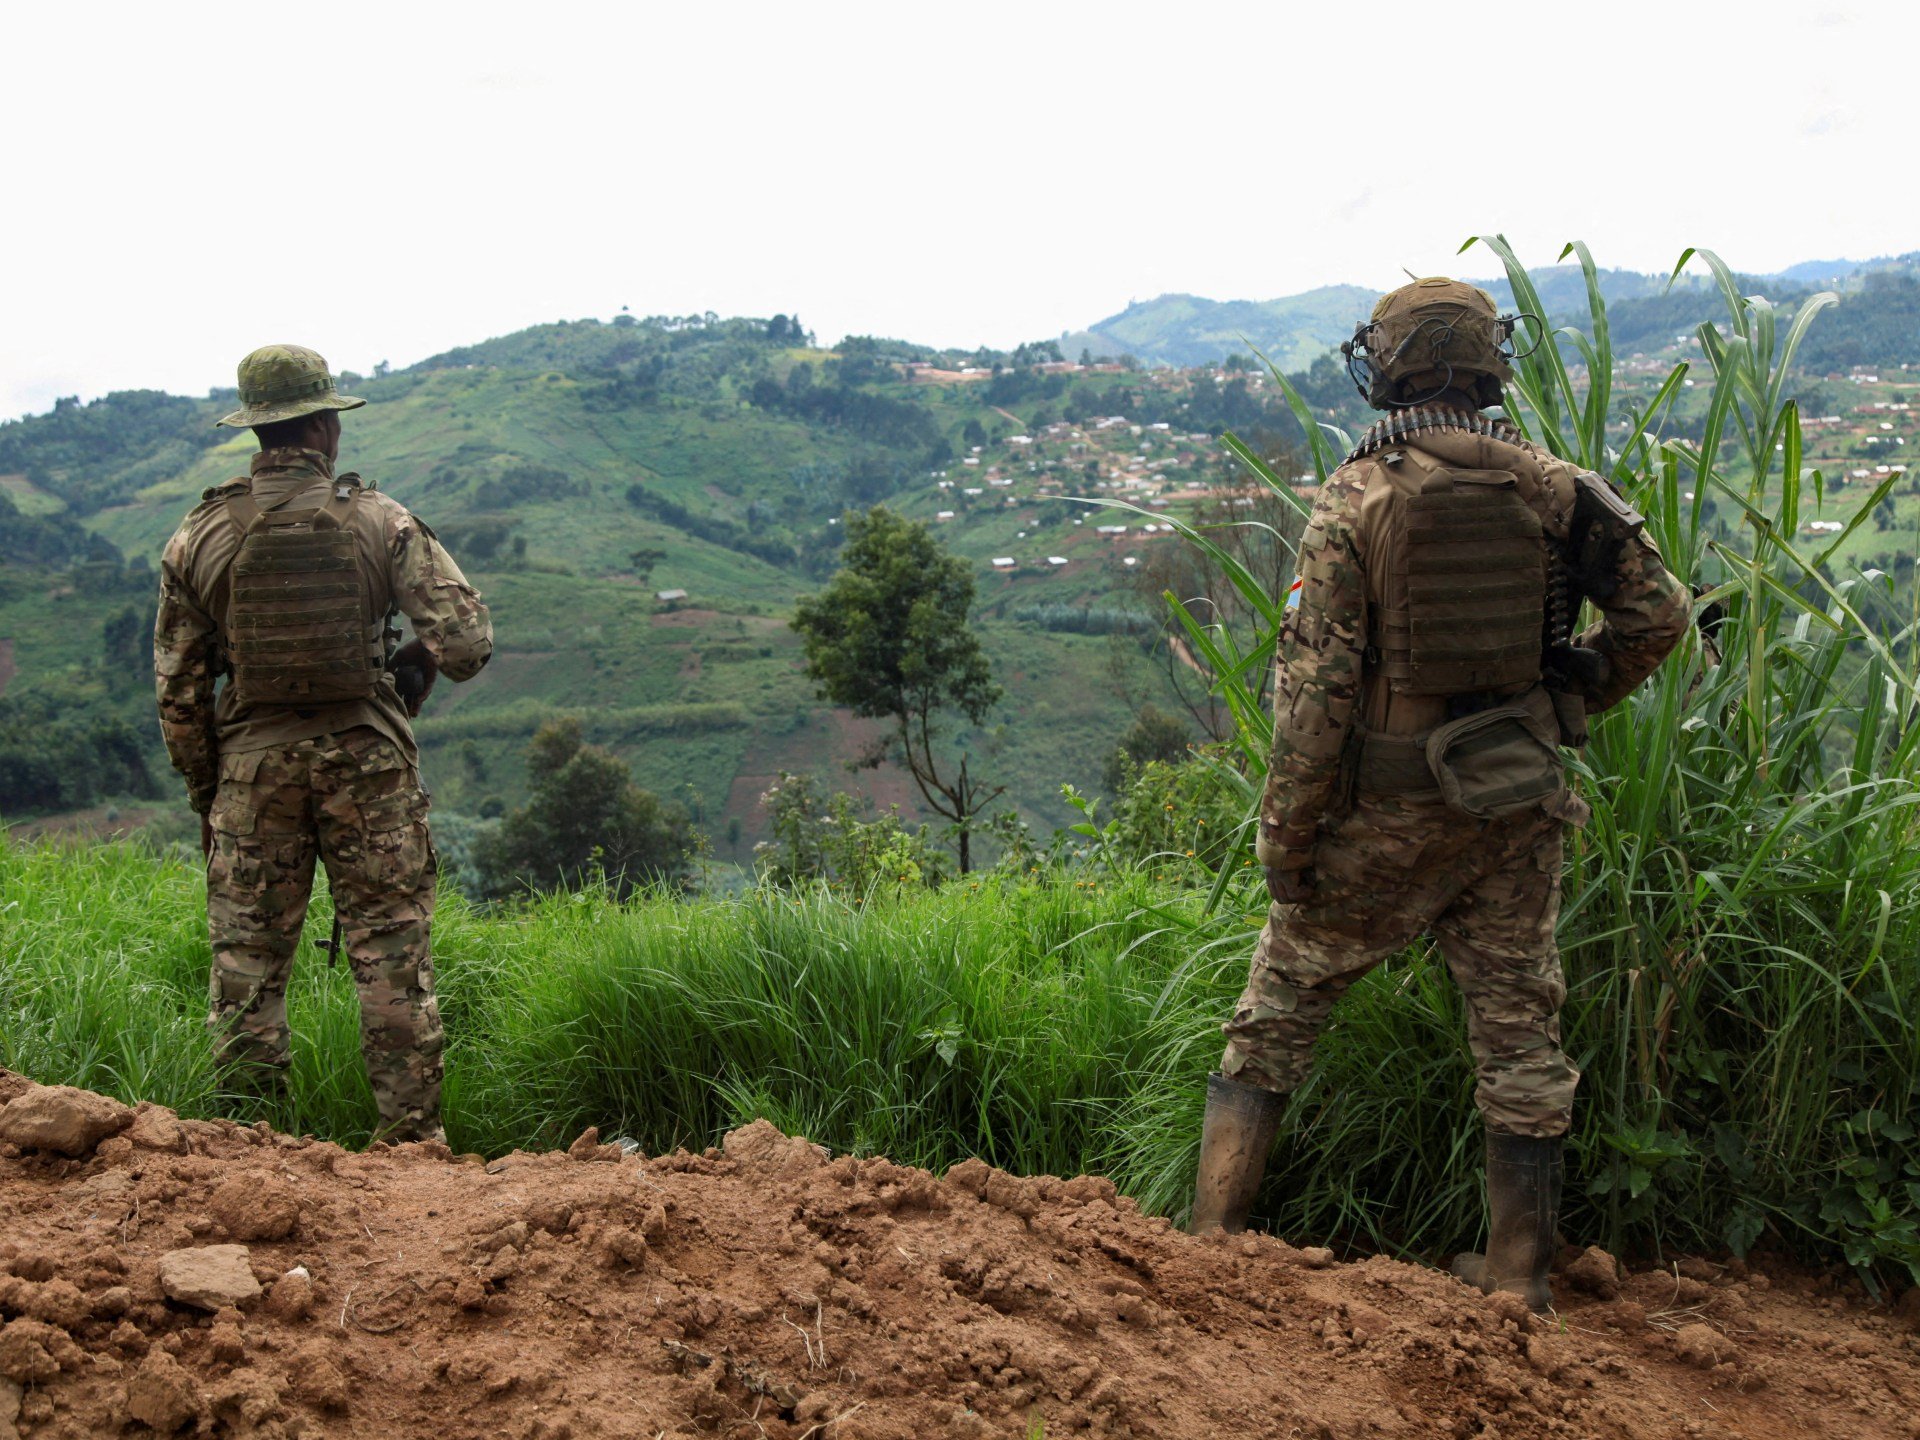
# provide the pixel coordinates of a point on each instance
(298, 628)
(1465, 612)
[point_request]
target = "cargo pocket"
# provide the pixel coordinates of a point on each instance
(386, 813)
(235, 811)
(1498, 762)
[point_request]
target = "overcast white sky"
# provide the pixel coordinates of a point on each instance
(182, 182)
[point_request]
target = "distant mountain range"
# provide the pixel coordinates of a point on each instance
(1184, 330)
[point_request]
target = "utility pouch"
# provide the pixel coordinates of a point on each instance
(1570, 710)
(1500, 761)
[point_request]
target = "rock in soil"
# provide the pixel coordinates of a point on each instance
(209, 1277)
(62, 1119)
(768, 1291)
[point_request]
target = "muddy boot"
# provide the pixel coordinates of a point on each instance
(1523, 1205)
(1240, 1124)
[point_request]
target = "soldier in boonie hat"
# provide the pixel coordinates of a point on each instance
(288, 712)
(285, 382)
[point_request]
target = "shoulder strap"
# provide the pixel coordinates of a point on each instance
(242, 510)
(246, 512)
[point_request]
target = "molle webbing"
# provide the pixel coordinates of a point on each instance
(297, 628)
(1475, 593)
(1401, 426)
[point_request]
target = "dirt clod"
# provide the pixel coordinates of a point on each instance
(762, 1148)
(255, 1207)
(1702, 1346)
(26, 1356)
(162, 1395)
(319, 1382)
(1595, 1272)
(157, 1128)
(62, 1119)
(227, 1340)
(290, 1300)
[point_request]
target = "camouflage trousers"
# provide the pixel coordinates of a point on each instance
(354, 800)
(1394, 869)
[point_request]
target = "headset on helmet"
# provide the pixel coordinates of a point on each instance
(1423, 338)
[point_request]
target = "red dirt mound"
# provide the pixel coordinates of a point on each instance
(191, 1277)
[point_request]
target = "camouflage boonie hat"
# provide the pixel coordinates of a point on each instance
(1437, 327)
(284, 382)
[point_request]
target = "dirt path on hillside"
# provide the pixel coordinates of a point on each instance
(766, 1290)
(6, 663)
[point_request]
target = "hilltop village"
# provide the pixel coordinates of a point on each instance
(1015, 489)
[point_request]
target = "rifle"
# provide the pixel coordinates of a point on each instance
(332, 944)
(1582, 569)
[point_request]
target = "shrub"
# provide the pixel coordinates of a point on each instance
(586, 820)
(823, 838)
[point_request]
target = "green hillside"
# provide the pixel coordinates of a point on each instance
(1189, 330)
(580, 469)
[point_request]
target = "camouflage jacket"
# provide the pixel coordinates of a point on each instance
(1325, 688)
(408, 569)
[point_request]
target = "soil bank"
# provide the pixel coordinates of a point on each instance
(186, 1277)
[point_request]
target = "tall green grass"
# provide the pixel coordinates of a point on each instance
(1004, 1019)
(1742, 913)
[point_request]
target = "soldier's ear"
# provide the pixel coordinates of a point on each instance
(323, 433)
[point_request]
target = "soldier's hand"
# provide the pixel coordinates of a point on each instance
(1290, 887)
(414, 672)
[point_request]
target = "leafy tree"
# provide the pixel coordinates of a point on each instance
(1154, 735)
(126, 642)
(1038, 352)
(888, 639)
(644, 561)
(586, 817)
(55, 755)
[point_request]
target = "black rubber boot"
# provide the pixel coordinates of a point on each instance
(1523, 1207)
(1238, 1132)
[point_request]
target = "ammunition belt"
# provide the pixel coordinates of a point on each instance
(1401, 426)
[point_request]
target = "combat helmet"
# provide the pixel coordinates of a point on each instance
(1431, 336)
(284, 382)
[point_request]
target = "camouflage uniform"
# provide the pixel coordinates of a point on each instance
(1389, 866)
(281, 784)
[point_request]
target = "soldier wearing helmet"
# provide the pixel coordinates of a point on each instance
(1427, 682)
(285, 583)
